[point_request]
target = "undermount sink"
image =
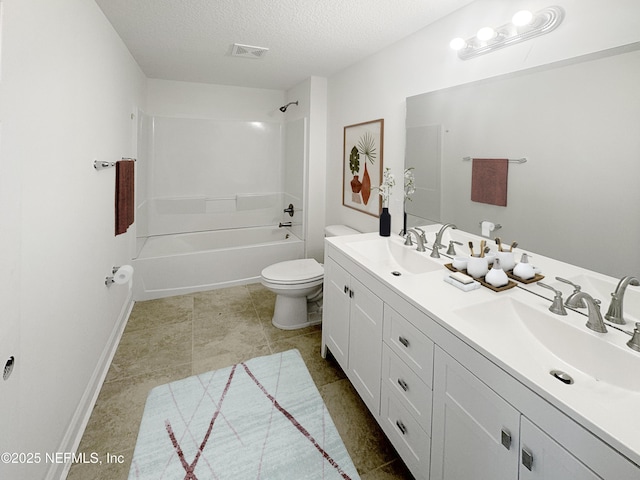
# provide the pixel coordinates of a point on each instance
(555, 343)
(391, 255)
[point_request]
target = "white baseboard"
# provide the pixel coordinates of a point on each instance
(80, 419)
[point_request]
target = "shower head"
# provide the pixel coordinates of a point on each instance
(284, 107)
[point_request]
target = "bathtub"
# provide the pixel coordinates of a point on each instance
(191, 262)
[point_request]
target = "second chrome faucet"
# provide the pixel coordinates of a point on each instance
(437, 244)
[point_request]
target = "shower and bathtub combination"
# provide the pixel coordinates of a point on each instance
(191, 262)
(211, 196)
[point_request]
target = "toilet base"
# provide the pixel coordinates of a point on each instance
(290, 313)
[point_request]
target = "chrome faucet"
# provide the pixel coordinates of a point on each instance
(571, 301)
(595, 321)
(615, 312)
(634, 343)
(423, 235)
(557, 306)
(437, 244)
(419, 240)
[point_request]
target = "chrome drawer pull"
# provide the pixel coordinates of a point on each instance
(403, 384)
(527, 459)
(404, 341)
(506, 439)
(401, 427)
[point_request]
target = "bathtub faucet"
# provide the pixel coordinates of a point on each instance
(284, 224)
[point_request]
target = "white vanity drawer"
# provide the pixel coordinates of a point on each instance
(411, 345)
(412, 392)
(409, 439)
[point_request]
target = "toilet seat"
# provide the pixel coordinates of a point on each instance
(294, 272)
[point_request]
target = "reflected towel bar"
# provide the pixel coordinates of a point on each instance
(101, 165)
(511, 160)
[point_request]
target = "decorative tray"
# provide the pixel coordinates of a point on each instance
(509, 285)
(536, 278)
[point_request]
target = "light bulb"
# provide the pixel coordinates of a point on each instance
(458, 43)
(486, 33)
(522, 18)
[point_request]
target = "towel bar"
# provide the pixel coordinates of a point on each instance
(511, 160)
(101, 165)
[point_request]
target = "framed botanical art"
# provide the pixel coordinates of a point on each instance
(362, 166)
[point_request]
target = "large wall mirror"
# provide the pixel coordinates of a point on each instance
(577, 197)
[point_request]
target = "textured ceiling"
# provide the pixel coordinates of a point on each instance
(190, 40)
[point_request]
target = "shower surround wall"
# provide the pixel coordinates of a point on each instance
(213, 158)
(213, 175)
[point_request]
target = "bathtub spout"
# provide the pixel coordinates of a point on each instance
(284, 224)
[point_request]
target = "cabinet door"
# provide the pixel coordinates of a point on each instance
(475, 432)
(541, 458)
(335, 312)
(365, 344)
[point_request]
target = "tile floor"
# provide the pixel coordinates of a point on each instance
(172, 338)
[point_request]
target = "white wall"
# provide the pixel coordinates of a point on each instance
(68, 90)
(215, 102)
(377, 87)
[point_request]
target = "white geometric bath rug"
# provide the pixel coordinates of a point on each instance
(259, 419)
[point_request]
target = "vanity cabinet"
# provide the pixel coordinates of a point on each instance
(407, 368)
(542, 458)
(352, 330)
(448, 408)
(477, 434)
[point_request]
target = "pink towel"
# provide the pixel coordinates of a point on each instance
(489, 181)
(125, 201)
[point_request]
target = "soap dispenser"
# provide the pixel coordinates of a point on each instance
(496, 275)
(524, 270)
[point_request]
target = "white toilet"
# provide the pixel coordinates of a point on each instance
(295, 281)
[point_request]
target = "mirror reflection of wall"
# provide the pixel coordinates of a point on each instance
(423, 153)
(576, 199)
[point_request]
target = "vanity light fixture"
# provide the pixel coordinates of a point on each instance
(523, 26)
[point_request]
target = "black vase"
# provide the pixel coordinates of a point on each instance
(404, 224)
(385, 223)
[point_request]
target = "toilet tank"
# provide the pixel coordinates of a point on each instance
(338, 230)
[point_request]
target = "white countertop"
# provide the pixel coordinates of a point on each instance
(610, 409)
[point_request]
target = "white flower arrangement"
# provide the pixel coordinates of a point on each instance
(409, 183)
(388, 182)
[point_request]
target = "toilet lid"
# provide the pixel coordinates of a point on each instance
(294, 271)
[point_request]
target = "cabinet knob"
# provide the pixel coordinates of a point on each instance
(527, 459)
(401, 426)
(403, 384)
(506, 439)
(346, 289)
(403, 341)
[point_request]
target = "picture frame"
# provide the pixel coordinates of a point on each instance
(362, 159)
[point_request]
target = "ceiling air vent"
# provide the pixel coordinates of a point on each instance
(247, 51)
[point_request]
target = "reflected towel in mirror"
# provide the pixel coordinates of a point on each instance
(489, 181)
